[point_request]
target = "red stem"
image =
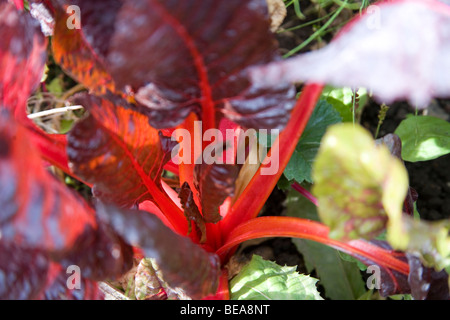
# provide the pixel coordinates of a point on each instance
(296, 186)
(263, 227)
(258, 190)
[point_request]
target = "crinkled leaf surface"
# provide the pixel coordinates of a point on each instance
(397, 49)
(357, 182)
(191, 210)
(183, 263)
(78, 53)
(116, 150)
(22, 56)
(427, 283)
(167, 53)
(214, 182)
(300, 165)
(428, 240)
(424, 138)
(265, 280)
(37, 210)
(45, 226)
(22, 272)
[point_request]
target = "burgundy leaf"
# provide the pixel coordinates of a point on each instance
(37, 210)
(391, 281)
(22, 57)
(71, 49)
(183, 263)
(100, 254)
(57, 288)
(116, 150)
(427, 283)
(214, 182)
(191, 210)
(22, 272)
(168, 54)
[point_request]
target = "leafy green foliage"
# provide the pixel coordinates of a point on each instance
(340, 279)
(300, 165)
(265, 280)
(424, 138)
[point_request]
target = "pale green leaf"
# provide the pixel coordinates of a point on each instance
(357, 182)
(265, 280)
(424, 138)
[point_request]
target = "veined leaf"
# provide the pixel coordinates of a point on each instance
(116, 150)
(424, 138)
(357, 182)
(265, 280)
(193, 72)
(22, 57)
(191, 210)
(428, 240)
(300, 165)
(183, 263)
(71, 47)
(37, 209)
(214, 182)
(427, 283)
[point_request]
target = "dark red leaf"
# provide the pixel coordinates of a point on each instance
(116, 150)
(427, 283)
(37, 210)
(100, 254)
(168, 54)
(72, 50)
(191, 210)
(183, 263)
(22, 57)
(214, 182)
(22, 272)
(57, 289)
(391, 281)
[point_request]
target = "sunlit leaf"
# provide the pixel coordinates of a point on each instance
(116, 150)
(424, 138)
(300, 165)
(265, 280)
(193, 72)
(182, 263)
(357, 182)
(22, 57)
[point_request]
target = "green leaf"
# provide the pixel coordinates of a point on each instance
(342, 100)
(357, 182)
(429, 240)
(300, 165)
(424, 138)
(265, 280)
(341, 279)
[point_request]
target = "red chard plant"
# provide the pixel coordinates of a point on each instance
(191, 118)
